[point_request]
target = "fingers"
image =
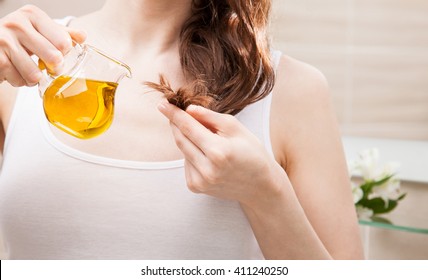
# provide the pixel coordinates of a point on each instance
(216, 149)
(25, 66)
(52, 31)
(221, 124)
(13, 77)
(189, 127)
(191, 152)
(35, 43)
(77, 35)
(193, 177)
(29, 31)
(194, 161)
(197, 181)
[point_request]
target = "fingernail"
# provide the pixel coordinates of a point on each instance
(55, 67)
(84, 35)
(162, 106)
(194, 107)
(57, 70)
(69, 42)
(35, 77)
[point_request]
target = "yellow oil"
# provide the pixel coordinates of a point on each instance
(80, 107)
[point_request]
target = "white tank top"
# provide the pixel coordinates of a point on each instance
(60, 203)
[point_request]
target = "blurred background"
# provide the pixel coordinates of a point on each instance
(374, 54)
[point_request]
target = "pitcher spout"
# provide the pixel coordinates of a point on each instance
(128, 72)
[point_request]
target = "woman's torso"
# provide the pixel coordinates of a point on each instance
(61, 198)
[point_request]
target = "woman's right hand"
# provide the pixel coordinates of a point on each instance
(29, 31)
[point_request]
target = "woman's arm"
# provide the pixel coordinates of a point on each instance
(302, 212)
(307, 144)
(25, 32)
(7, 101)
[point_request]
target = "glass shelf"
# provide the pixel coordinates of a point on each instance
(403, 219)
(393, 226)
(411, 214)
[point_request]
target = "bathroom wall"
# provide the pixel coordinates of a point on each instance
(56, 9)
(374, 54)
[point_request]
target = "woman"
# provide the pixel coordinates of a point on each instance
(260, 173)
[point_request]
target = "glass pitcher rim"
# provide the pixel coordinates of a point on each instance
(83, 46)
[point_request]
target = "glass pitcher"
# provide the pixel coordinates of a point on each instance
(80, 99)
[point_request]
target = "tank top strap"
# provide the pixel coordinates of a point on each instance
(276, 58)
(256, 117)
(65, 21)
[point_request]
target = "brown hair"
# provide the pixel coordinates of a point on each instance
(224, 52)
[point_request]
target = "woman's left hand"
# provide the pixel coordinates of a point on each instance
(222, 157)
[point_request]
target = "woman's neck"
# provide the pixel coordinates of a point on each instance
(146, 23)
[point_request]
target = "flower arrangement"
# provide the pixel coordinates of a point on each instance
(379, 190)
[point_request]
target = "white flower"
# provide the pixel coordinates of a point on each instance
(390, 168)
(373, 173)
(390, 190)
(364, 213)
(357, 192)
(370, 168)
(368, 164)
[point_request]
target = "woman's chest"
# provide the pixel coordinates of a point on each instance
(139, 132)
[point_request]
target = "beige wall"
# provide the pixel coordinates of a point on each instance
(374, 54)
(55, 9)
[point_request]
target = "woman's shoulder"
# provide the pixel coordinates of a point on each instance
(300, 101)
(297, 81)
